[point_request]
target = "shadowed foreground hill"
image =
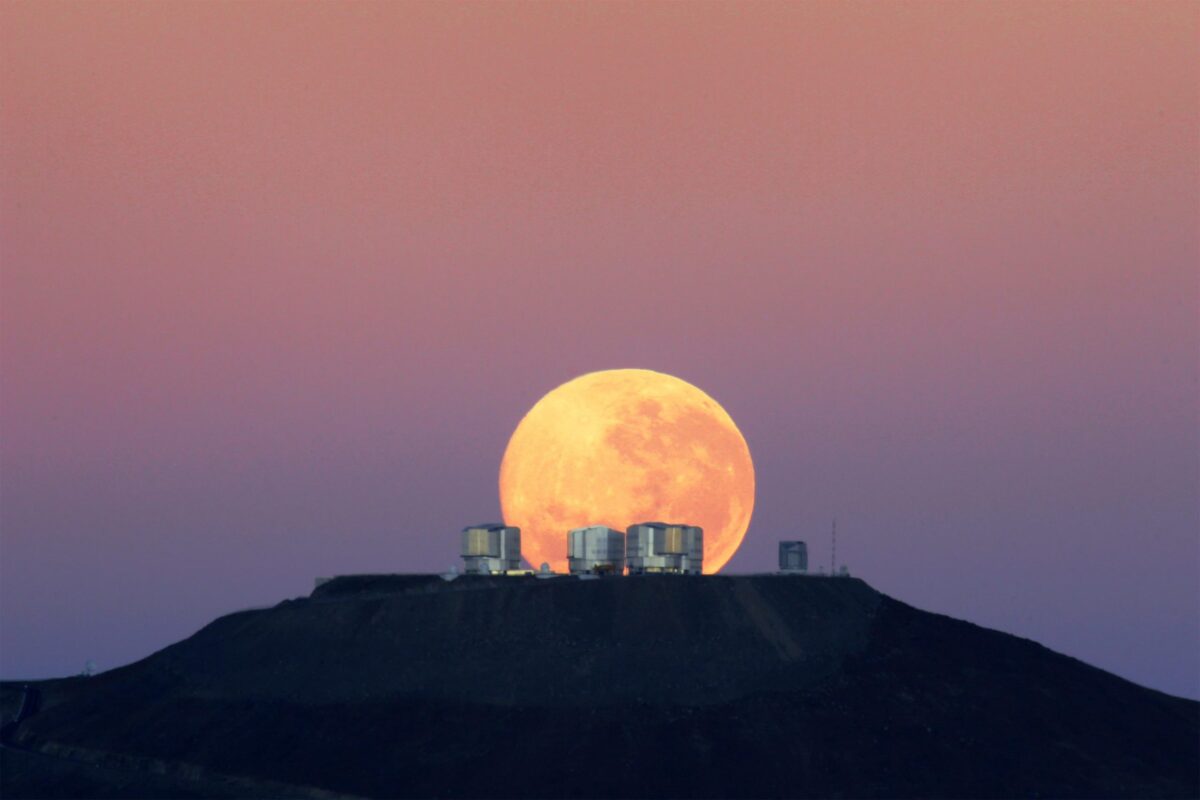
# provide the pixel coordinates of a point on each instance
(766, 686)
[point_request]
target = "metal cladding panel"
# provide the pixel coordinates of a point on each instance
(510, 543)
(596, 547)
(695, 543)
(645, 539)
(608, 547)
(594, 540)
(481, 542)
(637, 540)
(793, 556)
(671, 539)
(662, 547)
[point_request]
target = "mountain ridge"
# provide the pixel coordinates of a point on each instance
(753, 686)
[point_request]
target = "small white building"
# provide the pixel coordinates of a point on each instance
(491, 548)
(652, 547)
(596, 550)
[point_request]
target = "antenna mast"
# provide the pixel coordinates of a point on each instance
(833, 550)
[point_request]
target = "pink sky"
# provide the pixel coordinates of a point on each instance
(279, 280)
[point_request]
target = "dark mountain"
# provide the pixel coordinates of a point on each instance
(764, 686)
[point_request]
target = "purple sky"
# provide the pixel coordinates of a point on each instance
(279, 280)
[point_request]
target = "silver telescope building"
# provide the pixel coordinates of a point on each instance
(491, 548)
(596, 550)
(663, 547)
(793, 557)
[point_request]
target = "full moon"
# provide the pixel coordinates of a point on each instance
(620, 447)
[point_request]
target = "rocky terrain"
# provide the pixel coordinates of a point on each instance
(715, 686)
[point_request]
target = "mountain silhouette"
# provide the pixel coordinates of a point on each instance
(654, 686)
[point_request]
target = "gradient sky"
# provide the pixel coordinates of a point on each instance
(279, 280)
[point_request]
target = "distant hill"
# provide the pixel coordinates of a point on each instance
(656, 686)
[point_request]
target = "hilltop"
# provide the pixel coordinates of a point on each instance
(715, 686)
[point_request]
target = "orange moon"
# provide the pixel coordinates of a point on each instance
(620, 447)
